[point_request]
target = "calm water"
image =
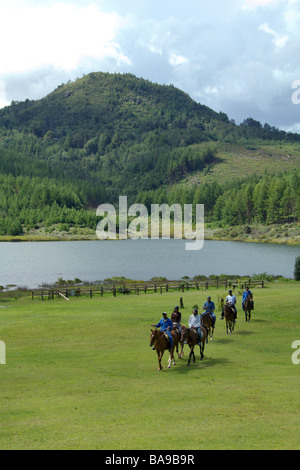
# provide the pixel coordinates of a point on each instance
(31, 264)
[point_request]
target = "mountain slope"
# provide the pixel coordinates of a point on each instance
(124, 131)
(105, 135)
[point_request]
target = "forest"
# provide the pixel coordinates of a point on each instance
(106, 135)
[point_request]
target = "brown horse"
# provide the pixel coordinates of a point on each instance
(207, 322)
(229, 317)
(160, 341)
(190, 336)
(248, 306)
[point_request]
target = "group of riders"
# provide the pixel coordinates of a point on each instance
(195, 321)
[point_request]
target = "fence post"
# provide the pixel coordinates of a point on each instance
(114, 291)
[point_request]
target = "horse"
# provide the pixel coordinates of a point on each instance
(159, 339)
(191, 337)
(248, 306)
(176, 329)
(207, 322)
(229, 317)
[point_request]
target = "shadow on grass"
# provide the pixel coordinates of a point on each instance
(182, 367)
(245, 333)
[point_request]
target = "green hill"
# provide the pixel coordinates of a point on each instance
(107, 135)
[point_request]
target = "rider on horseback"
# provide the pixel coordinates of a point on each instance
(166, 326)
(209, 307)
(231, 301)
(245, 295)
(195, 322)
(176, 319)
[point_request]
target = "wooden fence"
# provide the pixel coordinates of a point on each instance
(141, 288)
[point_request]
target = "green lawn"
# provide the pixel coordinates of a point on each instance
(82, 375)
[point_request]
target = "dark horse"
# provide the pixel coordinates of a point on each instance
(207, 322)
(229, 318)
(248, 306)
(160, 341)
(191, 337)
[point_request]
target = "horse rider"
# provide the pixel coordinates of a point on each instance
(231, 301)
(166, 326)
(245, 295)
(209, 307)
(176, 319)
(195, 322)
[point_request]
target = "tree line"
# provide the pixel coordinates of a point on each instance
(263, 200)
(29, 202)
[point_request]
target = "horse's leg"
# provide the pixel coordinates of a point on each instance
(181, 350)
(160, 355)
(177, 351)
(171, 357)
(190, 356)
(202, 350)
(170, 361)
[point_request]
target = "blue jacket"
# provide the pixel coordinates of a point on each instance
(245, 295)
(164, 325)
(209, 307)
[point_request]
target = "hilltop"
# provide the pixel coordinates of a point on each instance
(109, 134)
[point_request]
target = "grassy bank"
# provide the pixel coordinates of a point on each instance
(288, 234)
(80, 374)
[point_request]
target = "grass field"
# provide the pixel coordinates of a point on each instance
(237, 162)
(81, 375)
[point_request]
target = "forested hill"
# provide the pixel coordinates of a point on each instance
(110, 134)
(118, 129)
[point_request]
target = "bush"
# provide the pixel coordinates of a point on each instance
(297, 269)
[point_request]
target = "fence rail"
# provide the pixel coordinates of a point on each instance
(138, 288)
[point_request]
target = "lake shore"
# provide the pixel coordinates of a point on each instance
(210, 235)
(288, 234)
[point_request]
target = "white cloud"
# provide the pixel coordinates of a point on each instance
(278, 40)
(176, 59)
(251, 4)
(61, 35)
(241, 59)
(3, 101)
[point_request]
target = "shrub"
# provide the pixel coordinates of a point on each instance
(297, 269)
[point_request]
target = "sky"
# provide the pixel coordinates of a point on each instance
(241, 57)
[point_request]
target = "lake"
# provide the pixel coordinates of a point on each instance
(35, 263)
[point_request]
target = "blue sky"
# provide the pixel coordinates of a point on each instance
(236, 56)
